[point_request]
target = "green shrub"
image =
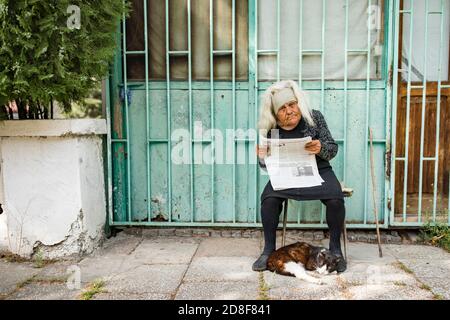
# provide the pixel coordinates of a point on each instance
(45, 57)
(436, 234)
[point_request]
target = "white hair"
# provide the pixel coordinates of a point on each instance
(268, 119)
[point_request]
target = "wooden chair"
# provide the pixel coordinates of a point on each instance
(348, 192)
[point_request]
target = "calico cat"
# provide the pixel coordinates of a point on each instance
(296, 258)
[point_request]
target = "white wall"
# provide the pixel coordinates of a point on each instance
(52, 186)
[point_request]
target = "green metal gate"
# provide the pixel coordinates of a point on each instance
(420, 104)
(147, 188)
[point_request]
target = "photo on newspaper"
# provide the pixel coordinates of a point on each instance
(290, 165)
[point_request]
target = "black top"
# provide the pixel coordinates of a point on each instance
(331, 187)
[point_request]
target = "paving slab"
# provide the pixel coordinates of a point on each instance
(438, 285)
(417, 252)
(12, 273)
(131, 296)
(388, 292)
(365, 272)
(357, 251)
(165, 251)
(161, 279)
(120, 244)
(236, 290)
(229, 247)
(428, 267)
(221, 269)
(97, 267)
(44, 291)
(57, 270)
(291, 288)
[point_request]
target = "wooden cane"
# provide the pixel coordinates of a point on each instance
(374, 192)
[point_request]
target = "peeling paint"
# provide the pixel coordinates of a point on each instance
(77, 242)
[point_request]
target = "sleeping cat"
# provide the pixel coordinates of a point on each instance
(296, 258)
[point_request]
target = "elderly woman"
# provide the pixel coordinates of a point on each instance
(285, 108)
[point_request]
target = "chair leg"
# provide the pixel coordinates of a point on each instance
(283, 237)
(345, 240)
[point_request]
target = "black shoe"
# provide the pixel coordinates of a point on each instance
(261, 263)
(341, 265)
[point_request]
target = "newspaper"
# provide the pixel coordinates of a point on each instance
(289, 165)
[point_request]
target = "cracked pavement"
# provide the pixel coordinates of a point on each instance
(163, 268)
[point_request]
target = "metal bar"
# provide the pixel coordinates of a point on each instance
(376, 141)
(179, 53)
(345, 92)
(136, 52)
(240, 225)
(354, 85)
(428, 158)
(147, 112)
(408, 108)
(409, 224)
(190, 109)
(169, 112)
(300, 44)
(367, 123)
(211, 84)
(387, 68)
(245, 140)
(312, 51)
(156, 140)
(109, 150)
(393, 163)
(223, 52)
(300, 71)
(127, 118)
(116, 77)
(422, 128)
(119, 140)
(233, 76)
(268, 52)
(253, 81)
(357, 51)
(322, 83)
(278, 39)
(438, 119)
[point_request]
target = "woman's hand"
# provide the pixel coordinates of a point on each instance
(313, 146)
(262, 151)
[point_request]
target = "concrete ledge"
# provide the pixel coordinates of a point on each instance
(52, 128)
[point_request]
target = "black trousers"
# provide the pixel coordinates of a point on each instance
(270, 214)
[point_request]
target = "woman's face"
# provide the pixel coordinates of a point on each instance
(289, 115)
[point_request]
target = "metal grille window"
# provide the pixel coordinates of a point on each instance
(317, 30)
(416, 22)
(198, 19)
